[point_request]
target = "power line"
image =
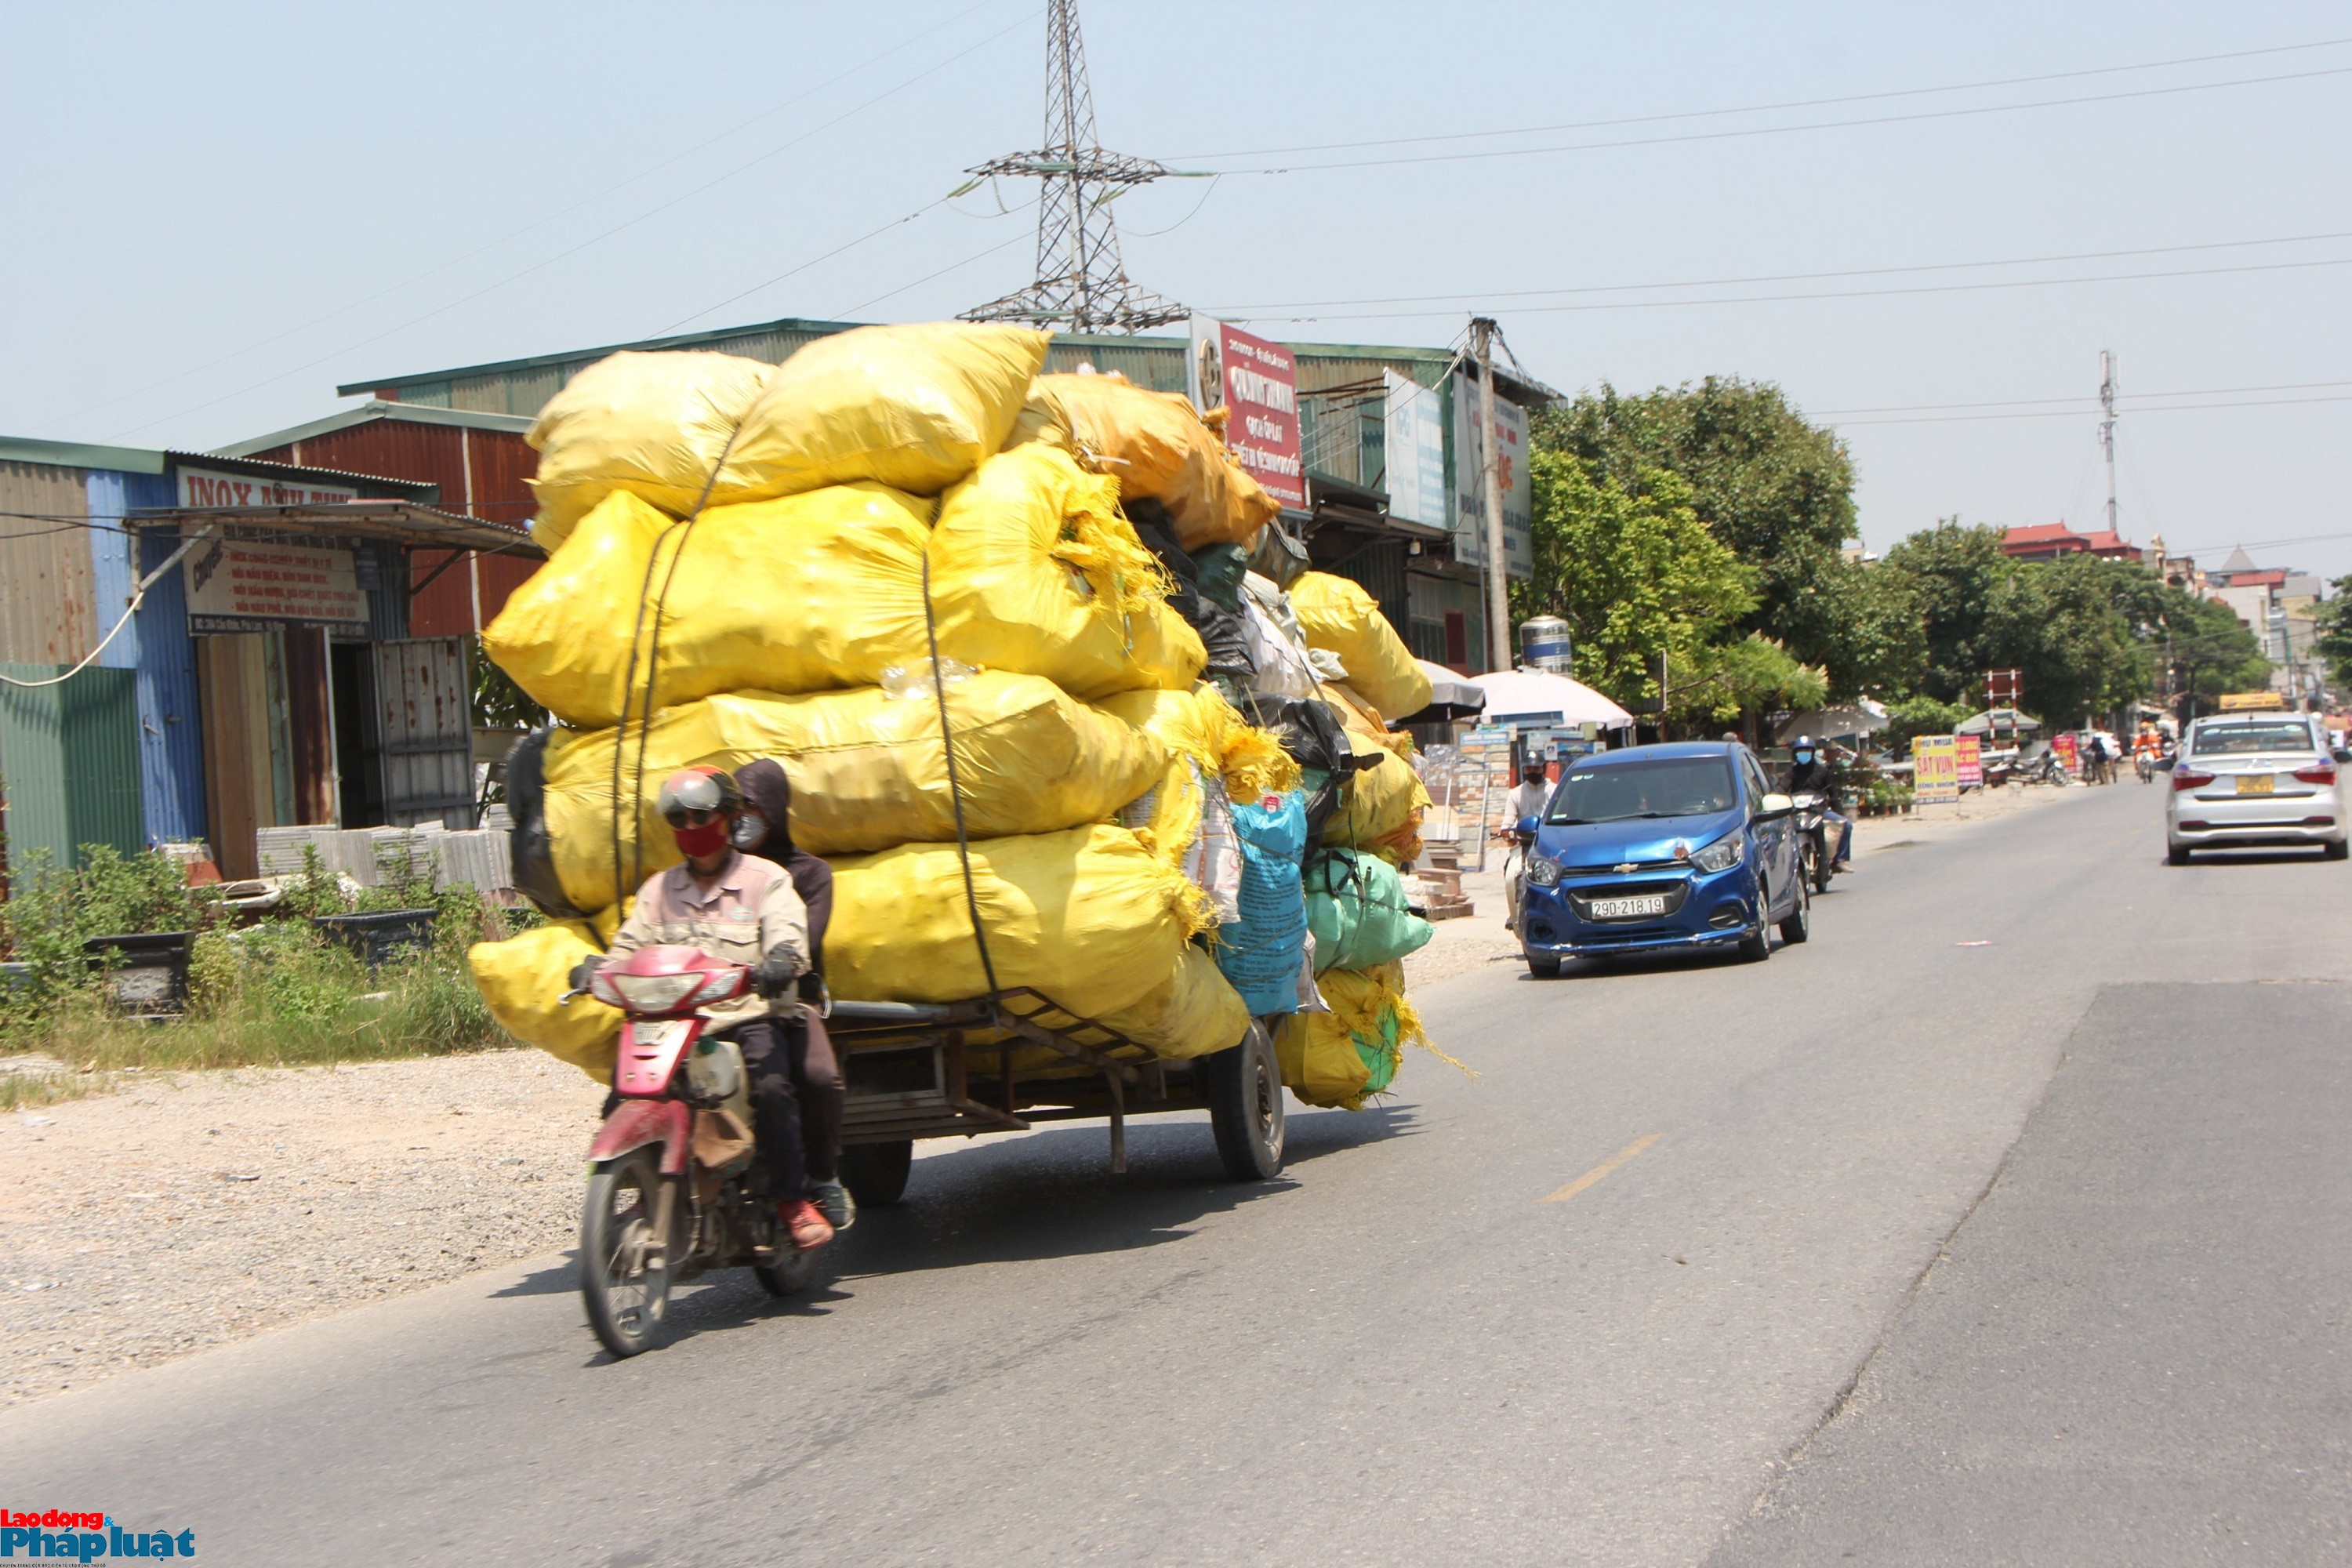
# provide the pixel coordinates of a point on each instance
(2080, 397)
(2079, 412)
(926, 278)
(511, 234)
(1477, 296)
(1768, 108)
(585, 243)
(1788, 129)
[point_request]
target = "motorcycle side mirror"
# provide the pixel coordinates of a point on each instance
(2344, 753)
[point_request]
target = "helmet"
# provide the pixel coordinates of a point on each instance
(698, 789)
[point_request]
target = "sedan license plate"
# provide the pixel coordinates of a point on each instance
(2255, 783)
(1624, 908)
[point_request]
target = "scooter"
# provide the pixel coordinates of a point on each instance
(668, 1197)
(1813, 847)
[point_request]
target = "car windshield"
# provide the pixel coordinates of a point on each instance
(1676, 786)
(2241, 739)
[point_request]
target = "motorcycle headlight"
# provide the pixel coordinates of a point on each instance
(654, 993)
(1542, 872)
(1720, 856)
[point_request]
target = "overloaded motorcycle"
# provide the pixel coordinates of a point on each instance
(667, 1191)
(1815, 853)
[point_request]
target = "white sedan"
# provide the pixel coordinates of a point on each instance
(2250, 779)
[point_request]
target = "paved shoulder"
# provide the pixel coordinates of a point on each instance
(2135, 1350)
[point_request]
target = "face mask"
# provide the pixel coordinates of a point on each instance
(701, 838)
(1804, 756)
(751, 831)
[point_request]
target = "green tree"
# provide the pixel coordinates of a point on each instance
(2334, 640)
(2211, 651)
(1776, 490)
(1633, 570)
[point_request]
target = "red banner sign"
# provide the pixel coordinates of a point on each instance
(1261, 391)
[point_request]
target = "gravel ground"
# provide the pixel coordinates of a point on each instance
(190, 1211)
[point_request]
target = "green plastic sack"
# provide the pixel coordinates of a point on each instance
(1356, 908)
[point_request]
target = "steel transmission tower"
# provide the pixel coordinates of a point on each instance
(1082, 286)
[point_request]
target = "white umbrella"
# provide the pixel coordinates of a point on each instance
(1451, 696)
(1535, 697)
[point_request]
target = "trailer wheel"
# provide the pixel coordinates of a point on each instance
(1245, 1095)
(876, 1173)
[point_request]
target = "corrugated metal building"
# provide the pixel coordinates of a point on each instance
(479, 463)
(261, 678)
(1435, 601)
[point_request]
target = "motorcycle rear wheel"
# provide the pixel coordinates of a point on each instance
(627, 1300)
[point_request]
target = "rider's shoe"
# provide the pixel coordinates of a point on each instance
(833, 1202)
(807, 1228)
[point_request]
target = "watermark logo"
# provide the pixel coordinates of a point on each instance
(61, 1534)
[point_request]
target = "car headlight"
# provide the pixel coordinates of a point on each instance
(1720, 856)
(1542, 872)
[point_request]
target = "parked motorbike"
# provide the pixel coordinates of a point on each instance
(1814, 850)
(667, 1196)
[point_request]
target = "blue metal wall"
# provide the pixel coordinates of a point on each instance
(157, 645)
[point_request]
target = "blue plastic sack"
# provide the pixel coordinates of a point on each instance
(1261, 951)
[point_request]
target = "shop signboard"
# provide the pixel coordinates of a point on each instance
(250, 585)
(1258, 381)
(2070, 756)
(206, 488)
(1517, 486)
(1935, 769)
(1968, 760)
(1415, 422)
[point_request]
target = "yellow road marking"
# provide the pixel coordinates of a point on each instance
(1602, 1169)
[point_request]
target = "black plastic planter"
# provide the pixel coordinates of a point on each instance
(379, 938)
(146, 974)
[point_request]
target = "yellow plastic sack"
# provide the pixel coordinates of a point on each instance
(1170, 811)
(1155, 444)
(1088, 917)
(1202, 725)
(1384, 805)
(916, 407)
(650, 423)
(1338, 1058)
(522, 979)
(1355, 713)
(867, 768)
(1042, 419)
(1191, 1013)
(1337, 614)
(1033, 569)
(810, 593)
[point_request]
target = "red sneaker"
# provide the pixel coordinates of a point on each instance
(808, 1229)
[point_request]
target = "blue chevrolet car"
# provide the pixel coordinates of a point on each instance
(1677, 846)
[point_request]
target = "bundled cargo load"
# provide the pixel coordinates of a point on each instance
(523, 979)
(915, 407)
(1340, 1057)
(1262, 952)
(867, 769)
(1156, 445)
(1382, 810)
(1357, 910)
(1088, 917)
(1191, 1013)
(1339, 616)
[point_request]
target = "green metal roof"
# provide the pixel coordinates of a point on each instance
(79, 455)
(544, 361)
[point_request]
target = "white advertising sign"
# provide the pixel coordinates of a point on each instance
(1415, 418)
(246, 585)
(1470, 483)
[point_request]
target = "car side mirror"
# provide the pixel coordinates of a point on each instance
(2344, 753)
(1525, 828)
(1775, 806)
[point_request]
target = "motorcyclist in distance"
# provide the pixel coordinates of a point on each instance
(1810, 773)
(744, 910)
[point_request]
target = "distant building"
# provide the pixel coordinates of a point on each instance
(2049, 540)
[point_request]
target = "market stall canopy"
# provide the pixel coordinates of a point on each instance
(1533, 696)
(2004, 718)
(1451, 696)
(411, 523)
(1834, 723)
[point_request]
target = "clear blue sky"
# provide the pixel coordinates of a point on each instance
(190, 189)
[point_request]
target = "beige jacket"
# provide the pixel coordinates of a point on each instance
(745, 912)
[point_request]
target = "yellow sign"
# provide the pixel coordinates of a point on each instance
(2251, 701)
(1935, 768)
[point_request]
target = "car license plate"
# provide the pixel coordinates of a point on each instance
(1621, 909)
(2254, 784)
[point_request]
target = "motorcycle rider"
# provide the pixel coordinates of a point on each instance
(1810, 773)
(744, 910)
(765, 829)
(1527, 800)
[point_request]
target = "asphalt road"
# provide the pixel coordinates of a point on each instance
(1405, 1353)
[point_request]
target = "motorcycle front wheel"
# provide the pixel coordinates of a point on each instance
(625, 1277)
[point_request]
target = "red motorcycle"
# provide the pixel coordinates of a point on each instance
(666, 1192)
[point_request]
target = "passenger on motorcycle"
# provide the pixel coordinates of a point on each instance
(1810, 773)
(744, 910)
(765, 829)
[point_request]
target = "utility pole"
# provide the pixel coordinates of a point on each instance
(1499, 595)
(2108, 428)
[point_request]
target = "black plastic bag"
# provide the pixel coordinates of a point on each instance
(532, 851)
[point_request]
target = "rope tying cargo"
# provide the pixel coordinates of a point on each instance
(955, 792)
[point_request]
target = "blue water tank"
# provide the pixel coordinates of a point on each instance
(1543, 644)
